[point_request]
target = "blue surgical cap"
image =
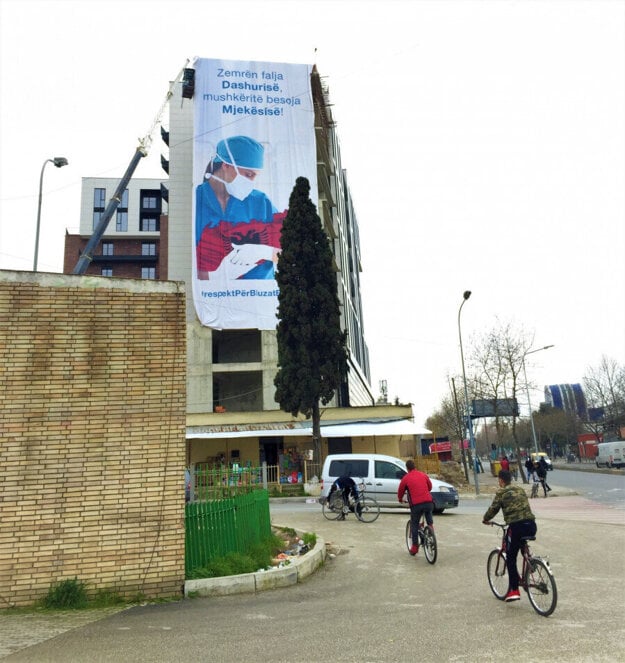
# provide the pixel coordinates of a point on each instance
(246, 152)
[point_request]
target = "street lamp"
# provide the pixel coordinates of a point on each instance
(527, 388)
(59, 162)
(465, 296)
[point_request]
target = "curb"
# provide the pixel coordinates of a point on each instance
(249, 583)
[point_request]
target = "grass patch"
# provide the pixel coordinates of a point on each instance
(69, 594)
(259, 556)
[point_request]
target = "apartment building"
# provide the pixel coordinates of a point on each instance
(230, 371)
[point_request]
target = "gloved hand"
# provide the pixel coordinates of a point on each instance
(249, 254)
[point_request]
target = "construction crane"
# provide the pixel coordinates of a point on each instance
(142, 150)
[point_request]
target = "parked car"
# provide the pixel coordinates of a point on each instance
(381, 475)
(541, 454)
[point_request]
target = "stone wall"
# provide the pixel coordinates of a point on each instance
(92, 435)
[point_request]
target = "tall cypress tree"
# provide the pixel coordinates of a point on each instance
(311, 345)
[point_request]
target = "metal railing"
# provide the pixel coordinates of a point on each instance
(215, 528)
(209, 482)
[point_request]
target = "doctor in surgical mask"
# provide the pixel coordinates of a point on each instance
(237, 227)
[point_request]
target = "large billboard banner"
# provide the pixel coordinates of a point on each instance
(253, 137)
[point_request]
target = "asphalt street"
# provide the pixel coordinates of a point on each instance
(372, 602)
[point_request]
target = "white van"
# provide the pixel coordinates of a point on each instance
(611, 454)
(381, 475)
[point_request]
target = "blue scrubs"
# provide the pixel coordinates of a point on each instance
(208, 212)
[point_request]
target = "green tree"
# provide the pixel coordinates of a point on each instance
(312, 359)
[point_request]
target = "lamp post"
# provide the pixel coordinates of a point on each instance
(527, 388)
(465, 296)
(59, 162)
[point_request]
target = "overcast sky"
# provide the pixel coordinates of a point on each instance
(484, 144)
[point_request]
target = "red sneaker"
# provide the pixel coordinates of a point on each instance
(513, 595)
(414, 549)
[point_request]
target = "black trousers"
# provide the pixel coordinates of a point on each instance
(415, 516)
(513, 544)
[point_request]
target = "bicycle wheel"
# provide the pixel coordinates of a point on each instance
(430, 547)
(332, 508)
(367, 509)
(540, 586)
(497, 573)
(408, 535)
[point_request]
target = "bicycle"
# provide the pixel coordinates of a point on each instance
(536, 577)
(427, 539)
(366, 508)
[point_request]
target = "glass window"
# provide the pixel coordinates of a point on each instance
(386, 470)
(353, 468)
(96, 219)
(107, 271)
(107, 248)
(99, 199)
(149, 202)
(148, 272)
(149, 224)
(148, 248)
(121, 222)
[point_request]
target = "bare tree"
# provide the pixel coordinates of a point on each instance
(497, 363)
(447, 420)
(604, 387)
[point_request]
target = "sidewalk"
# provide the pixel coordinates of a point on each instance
(488, 486)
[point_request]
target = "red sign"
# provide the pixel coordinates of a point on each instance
(440, 447)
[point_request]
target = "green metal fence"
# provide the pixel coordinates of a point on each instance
(215, 528)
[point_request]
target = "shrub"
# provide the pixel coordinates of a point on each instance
(67, 594)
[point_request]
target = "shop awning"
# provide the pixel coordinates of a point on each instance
(304, 429)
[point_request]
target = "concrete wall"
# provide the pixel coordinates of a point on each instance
(92, 434)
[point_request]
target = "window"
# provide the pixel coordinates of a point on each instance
(386, 470)
(107, 248)
(150, 210)
(149, 224)
(148, 272)
(107, 271)
(121, 222)
(99, 204)
(99, 199)
(352, 467)
(149, 202)
(148, 248)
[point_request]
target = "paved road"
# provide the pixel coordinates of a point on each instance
(373, 602)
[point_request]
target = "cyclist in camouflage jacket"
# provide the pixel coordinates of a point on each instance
(512, 500)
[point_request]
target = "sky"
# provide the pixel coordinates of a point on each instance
(484, 144)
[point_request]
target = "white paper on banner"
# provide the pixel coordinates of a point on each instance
(253, 121)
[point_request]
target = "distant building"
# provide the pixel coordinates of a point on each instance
(131, 246)
(567, 397)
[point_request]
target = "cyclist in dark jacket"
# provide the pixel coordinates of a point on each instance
(541, 473)
(512, 500)
(348, 488)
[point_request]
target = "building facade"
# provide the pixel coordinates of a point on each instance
(230, 372)
(131, 246)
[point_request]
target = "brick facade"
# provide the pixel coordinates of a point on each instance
(92, 434)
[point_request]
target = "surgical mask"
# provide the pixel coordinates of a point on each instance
(240, 187)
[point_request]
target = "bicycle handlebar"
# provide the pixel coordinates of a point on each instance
(492, 523)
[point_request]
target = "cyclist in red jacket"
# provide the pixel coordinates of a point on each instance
(418, 486)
